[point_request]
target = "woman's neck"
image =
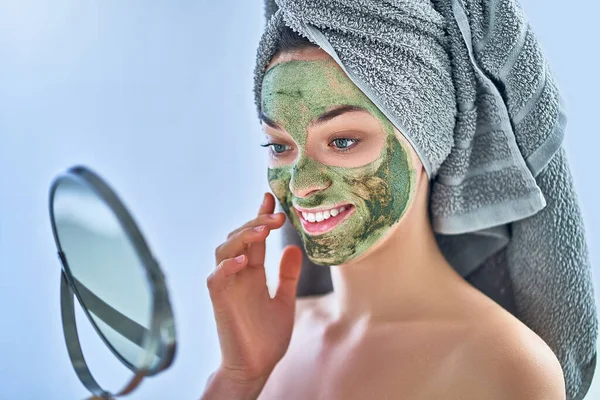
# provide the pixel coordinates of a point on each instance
(404, 278)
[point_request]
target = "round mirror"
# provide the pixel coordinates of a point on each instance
(108, 267)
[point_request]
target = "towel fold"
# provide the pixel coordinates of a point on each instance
(466, 83)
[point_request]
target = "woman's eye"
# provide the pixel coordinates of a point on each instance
(344, 143)
(276, 148)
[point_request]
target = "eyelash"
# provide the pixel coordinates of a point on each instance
(342, 150)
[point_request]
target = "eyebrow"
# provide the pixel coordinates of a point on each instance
(326, 116)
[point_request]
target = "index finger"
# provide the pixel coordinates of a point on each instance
(256, 251)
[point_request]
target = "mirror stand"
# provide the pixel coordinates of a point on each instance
(69, 324)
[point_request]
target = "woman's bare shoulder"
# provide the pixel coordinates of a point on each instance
(503, 358)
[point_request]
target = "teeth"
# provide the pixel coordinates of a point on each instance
(322, 215)
(319, 216)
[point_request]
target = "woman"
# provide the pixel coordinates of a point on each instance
(400, 321)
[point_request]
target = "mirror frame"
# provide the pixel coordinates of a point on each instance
(162, 338)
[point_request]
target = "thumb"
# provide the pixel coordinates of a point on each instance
(289, 274)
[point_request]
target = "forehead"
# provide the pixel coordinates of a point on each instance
(304, 54)
(308, 82)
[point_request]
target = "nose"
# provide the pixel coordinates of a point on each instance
(308, 178)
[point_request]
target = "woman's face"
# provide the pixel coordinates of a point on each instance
(335, 164)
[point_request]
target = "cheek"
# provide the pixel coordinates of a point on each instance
(283, 160)
(279, 182)
(359, 180)
(383, 186)
(373, 197)
(373, 189)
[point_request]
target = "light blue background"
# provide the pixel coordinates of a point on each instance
(157, 97)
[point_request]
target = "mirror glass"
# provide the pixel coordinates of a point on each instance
(107, 274)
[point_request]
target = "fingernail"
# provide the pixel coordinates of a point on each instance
(239, 259)
(258, 228)
(273, 216)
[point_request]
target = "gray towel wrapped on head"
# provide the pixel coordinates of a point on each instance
(466, 83)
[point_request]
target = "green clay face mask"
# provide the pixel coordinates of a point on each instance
(376, 194)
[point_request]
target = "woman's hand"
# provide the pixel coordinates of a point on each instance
(254, 329)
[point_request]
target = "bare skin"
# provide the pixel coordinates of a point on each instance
(399, 324)
(480, 352)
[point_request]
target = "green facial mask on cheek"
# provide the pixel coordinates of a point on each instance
(293, 94)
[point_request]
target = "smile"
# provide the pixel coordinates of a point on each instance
(317, 221)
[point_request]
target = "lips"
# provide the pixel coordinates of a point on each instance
(322, 220)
